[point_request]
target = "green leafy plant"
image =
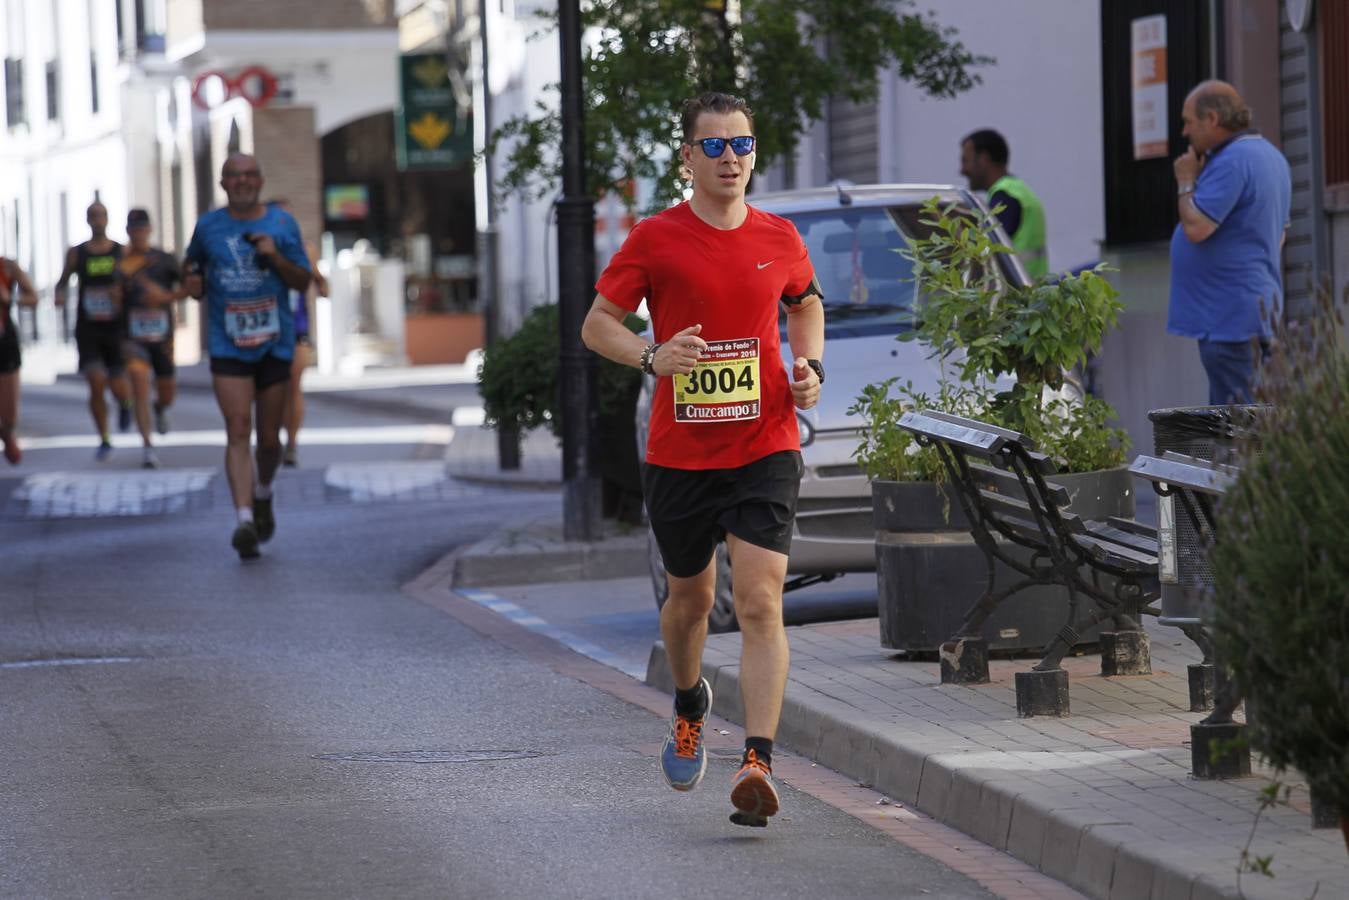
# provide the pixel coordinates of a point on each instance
(518, 378)
(887, 452)
(984, 328)
(787, 58)
(1281, 562)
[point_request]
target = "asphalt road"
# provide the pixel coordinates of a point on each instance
(176, 724)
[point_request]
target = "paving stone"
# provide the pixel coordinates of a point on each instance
(1060, 794)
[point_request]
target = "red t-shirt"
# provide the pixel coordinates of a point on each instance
(736, 406)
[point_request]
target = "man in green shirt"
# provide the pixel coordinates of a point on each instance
(983, 160)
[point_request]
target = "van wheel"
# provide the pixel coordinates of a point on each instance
(722, 617)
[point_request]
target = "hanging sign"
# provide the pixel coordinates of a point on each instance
(255, 84)
(1151, 128)
(431, 130)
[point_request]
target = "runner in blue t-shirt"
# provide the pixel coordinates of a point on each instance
(246, 258)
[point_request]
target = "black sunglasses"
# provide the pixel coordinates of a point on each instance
(714, 147)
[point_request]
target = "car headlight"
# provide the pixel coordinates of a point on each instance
(803, 428)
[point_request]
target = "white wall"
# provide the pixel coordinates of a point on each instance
(527, 248)
(344, 75)
(1043, 95)
(76, 155)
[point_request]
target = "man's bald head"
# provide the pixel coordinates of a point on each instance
(240, 164)
(1222, 99)
(241, 177)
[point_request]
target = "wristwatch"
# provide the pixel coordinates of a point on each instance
(1185, 189)
(818, 367)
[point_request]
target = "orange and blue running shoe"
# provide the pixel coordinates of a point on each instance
(683, 759)
(752, 793)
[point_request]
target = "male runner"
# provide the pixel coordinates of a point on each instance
(98, 323)
(245, 257)
(15, 287)
(723, 457)
(150, 281)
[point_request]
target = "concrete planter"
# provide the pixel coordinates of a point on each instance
(929, 571)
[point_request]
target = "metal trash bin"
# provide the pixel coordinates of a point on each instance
(1205, 432)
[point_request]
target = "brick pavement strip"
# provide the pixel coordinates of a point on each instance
(1102, 801)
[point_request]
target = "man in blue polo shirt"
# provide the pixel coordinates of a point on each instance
(1233, 194)
(246, 258)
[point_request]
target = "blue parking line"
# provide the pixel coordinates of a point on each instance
(527, 619)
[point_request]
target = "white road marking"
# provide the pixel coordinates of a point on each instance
(527, 619)
(312, 436)
(82, 494)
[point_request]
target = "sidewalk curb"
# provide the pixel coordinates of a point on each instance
(517, 556)
(1081, 847)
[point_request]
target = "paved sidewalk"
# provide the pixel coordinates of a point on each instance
(1102, 800)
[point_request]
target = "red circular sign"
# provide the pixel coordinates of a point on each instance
(255, 84)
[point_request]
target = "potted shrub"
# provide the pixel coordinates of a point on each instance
(518, 382)
(984, 330)
(1281, 562)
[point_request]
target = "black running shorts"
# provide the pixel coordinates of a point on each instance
(10, 356)
(100, 350)
(158, 357)
(692, 510)
(265, 372)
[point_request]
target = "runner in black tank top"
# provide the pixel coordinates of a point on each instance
(99, 325)
(15, 290)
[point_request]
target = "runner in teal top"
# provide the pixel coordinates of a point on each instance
(246, 258)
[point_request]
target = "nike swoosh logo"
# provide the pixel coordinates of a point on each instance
(767, 264)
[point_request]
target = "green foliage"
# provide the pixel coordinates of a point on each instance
(887, 452)
(519, 376)
(651, 55)
(985, 328)
(1281, 562)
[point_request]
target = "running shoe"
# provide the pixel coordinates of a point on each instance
(752, 793)
(683, 759)
(161, 420)
(291, 457)
(245, 540)
(12, 451)
(264, 519)
(123, 418)
(103, 452)
(150, 459)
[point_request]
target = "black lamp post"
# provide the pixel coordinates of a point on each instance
(576, 273)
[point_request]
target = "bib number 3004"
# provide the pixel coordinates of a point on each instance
(723, 387)
(251, 323)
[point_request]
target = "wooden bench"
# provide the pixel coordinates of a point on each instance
(1217, 747)
(1108, 568)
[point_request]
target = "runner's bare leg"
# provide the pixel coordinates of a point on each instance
(683, 623)
(764, 654)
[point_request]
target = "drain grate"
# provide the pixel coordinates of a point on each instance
(430, 756)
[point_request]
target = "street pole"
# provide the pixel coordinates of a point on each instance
(576, 274)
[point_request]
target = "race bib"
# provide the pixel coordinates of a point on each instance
(149, 325)
(98, 305)
(723, 387)
(251, 323)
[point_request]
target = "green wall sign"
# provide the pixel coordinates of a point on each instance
(432, 132)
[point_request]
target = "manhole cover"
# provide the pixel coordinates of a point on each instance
(430, 756)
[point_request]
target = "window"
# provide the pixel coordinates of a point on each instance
(1334, 99)
(53, 90)
(14, 108)
(93, 20)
